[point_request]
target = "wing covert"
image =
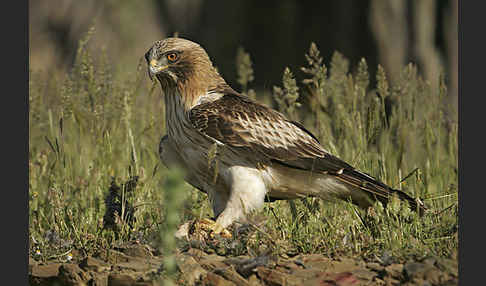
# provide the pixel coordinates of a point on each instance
(242, 123)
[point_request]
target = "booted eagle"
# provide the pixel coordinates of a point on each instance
(239, 151)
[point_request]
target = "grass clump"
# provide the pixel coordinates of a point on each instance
(245, 72)
(95, 125)
(90, 133)
(406, 142)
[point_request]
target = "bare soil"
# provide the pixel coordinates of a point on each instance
(139, 264)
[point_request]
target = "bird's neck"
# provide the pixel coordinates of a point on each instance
(176, 117)
(200, 84)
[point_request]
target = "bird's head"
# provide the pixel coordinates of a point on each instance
(180, 63)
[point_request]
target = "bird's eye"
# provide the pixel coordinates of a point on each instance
(172, 57)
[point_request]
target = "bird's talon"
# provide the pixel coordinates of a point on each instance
(213, 228)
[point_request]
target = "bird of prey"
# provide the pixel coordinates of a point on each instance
(239, 151)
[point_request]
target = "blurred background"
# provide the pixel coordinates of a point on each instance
(276, 34)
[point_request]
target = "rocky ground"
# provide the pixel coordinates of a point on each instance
(139, 264)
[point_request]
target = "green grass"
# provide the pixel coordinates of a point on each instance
(94, 126)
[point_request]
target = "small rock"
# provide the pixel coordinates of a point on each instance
(386, 258)
(93, 264)
(394, 270)
(245, 265)
(429, 261)
(433, 276)
(45, 271)
(230, 274)
(254, 281)
(391, 281)
(421, 271)
(71, 274)
(306, 274)
(314, 261)
(135, 264)
(196, 253)
(331, 279)
(448, 265)
(375, 266)
(212, 262)
(190, 269)
(99, 280)
(137, 250)
(212, 279)
(344, 265)
(114, 256)
(415, 269)
(120, 280)
(364, 274)
(271, 277)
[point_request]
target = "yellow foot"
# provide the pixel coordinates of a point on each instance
(212, 227)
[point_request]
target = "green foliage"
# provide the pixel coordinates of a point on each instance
(406, 144)
(287, 97)
(244, 70)
(84, 131)
(174, 196)
(95, 125)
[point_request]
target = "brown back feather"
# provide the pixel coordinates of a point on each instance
(238, 121)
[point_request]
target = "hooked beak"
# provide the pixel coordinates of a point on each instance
(155, 68)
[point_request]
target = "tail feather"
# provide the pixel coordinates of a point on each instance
(376, 189)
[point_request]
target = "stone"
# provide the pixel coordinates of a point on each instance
(306, 274)
(343, 265)
(433, 276)
(416, 269)
(212, 279)
(271, 277)
(135, 264)
(72, 274)
(137, 250)
(44, 274)
(375, 266)
(196, 253)
(93, 264)
(314, 261)
(430, 261)
(45, 271)
(394, 270)
(245, 266)
(230, 274)
(211, 262)
(332, 279)
(448, 265)
(99, 279)
(191, 271)
(120, 280)
(114, 256)
(254, 281)
(364, 274)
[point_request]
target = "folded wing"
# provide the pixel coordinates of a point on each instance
(240, 122)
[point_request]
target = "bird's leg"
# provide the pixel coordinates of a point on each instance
(218, 201)
(247, 193)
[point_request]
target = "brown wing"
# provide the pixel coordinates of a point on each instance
(242, 123)
(239, 122)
